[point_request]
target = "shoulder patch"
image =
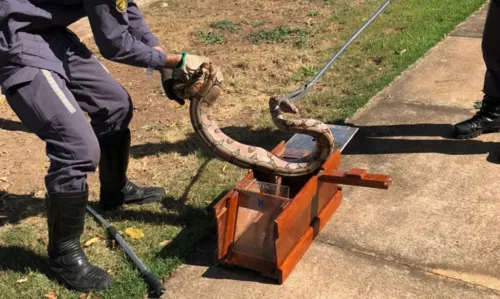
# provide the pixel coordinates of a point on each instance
(121, 5)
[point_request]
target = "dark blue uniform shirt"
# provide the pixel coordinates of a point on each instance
(29, 31)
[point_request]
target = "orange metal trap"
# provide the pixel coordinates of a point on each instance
(267, 223)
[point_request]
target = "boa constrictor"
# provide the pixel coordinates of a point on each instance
(208, 85)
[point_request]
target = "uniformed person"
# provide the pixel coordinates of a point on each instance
(487, 119)
(50, 79)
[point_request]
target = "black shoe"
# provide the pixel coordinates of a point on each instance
(116, 189)
(67, 261)
(142, 195)
(486, 120)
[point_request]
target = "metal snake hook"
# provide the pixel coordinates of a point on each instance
(299, 93)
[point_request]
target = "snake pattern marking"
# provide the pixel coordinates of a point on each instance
(208, 87)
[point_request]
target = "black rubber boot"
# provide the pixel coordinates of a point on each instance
(486, 120)
(116, 189)
(67, 261)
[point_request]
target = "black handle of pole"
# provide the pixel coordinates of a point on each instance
(156, 288)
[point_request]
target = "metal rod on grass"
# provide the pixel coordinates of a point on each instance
(155, 287)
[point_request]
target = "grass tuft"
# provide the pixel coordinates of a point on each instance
(279, 34)
(225, 25)
(257, 24)
(210, 37)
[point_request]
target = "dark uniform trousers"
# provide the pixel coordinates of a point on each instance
(50, 80)
(52, 106)
(491, 50)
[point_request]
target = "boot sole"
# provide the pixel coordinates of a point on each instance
(478, 133)
(150, 198)
(63, 282)
(143, 200)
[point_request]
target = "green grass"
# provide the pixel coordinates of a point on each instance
(225, 25)
(415, 28)
(216, 34)
(279, 34)
(305, 72)
(23, 246)
(210, 37)
(372, 62)
(257, 24)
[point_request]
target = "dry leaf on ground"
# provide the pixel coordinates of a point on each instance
(50, 296)
(134, 233)
(91, 241)
(22, 280)
(164, 243)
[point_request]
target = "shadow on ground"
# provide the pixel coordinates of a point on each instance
(196, 243)
(198, 233)
(14, 208)
(264, 138)
(12, 125)
(370, 140)
(22, 260)
(397, 139)
(204, 255)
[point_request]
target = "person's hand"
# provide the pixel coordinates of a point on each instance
(201, 82)
(185, 74)
(168, 83)
(187, 67)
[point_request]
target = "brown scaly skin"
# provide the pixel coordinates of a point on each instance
(207, 86)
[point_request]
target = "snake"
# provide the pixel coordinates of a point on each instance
(207, 84)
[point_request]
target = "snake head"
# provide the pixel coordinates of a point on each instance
(285, 106)
(180, 91)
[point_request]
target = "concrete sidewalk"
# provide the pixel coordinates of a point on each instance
(435, 233)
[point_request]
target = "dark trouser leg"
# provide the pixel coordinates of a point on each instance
(48, 109)
(488, 117)
(491, 51)
(110, 109)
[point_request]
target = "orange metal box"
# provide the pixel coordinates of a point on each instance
(267, 223)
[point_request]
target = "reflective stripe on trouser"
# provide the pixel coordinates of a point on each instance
(58, 91)
(48, 109)
(53, 107)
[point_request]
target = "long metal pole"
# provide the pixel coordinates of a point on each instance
(156, 288)
(296, 95)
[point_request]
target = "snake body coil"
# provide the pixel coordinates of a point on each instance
(209, 88)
